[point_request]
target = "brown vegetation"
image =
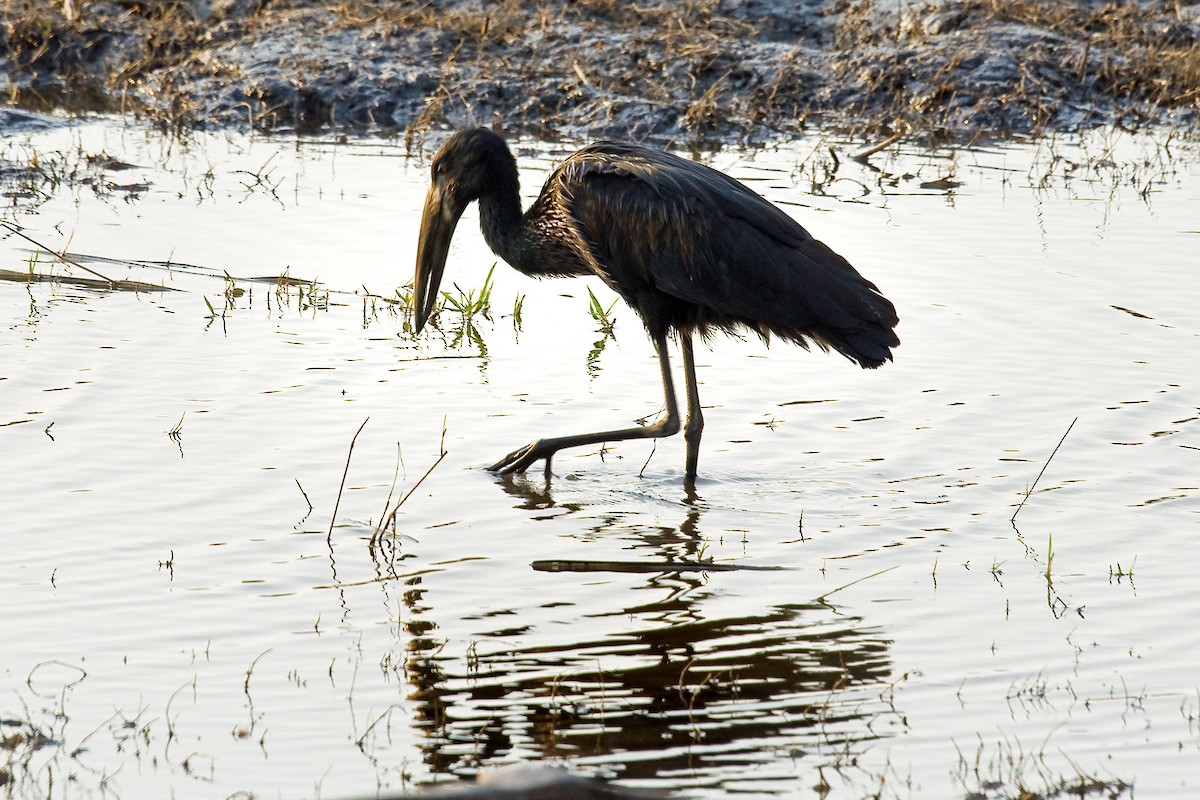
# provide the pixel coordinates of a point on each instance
(699, 69)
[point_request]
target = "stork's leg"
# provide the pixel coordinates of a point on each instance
(520, 459)
(695, 417)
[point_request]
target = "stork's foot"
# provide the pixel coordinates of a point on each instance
(522, 458)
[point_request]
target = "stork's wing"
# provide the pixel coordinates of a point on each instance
(654, 222)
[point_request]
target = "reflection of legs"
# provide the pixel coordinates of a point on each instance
(695, 417)
(520, 459)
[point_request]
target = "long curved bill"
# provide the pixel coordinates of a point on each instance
(437, 226)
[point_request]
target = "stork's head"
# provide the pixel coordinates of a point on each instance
(470, 165)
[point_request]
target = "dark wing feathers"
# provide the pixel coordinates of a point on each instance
(730, 256)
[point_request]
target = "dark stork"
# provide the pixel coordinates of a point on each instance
(690, 249)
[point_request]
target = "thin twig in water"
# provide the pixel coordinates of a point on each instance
(345, 472)
(863, 155)
(253, 664)
(1029, 491)
(851, 583)
(301, 488)
(654, 447)
(395, 477)
(60, 256)
(390, 518)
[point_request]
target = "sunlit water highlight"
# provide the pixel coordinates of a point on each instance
(176, 623)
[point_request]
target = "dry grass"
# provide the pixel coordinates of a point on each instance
(664, 47)
(60, 54)
(698, 68)
(1129, 49)
(1053, 63)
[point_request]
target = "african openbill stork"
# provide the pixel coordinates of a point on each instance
(689, 248)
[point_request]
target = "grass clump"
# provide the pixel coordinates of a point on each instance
(602, 316)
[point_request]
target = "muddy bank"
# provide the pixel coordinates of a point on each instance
(697, 70)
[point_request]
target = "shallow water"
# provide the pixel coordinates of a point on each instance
(178, 621)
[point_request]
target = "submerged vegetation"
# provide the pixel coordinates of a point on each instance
(1005, 770)
(696, 70)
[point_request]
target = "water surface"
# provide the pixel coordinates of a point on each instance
(178, 621)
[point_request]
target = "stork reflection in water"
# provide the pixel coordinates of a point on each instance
(690, 249)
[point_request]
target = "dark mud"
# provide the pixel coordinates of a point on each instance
(699, 70)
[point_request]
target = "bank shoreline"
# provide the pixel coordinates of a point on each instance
(695, 72)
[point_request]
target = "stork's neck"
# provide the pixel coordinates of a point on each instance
(501, 220)
(531, 242)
